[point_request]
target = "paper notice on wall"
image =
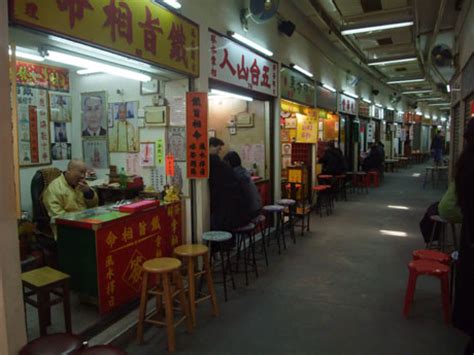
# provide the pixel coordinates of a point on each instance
(177, 111)
(251, 154)
(158, 178)
(133, 164)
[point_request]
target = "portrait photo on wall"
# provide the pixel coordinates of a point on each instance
(60, 109)
(123, 136)
(286, 149)
(94, 114)
(176, 143)
(61, 151)
(95, 153)
(60, 132)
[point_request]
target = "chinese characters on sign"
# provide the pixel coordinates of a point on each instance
(196, 135)
(42, 76)
(376, 112)
(235, 64)
(347, 104)
(306, 129)
(295, 86)
(137, 28)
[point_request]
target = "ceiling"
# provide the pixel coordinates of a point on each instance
(433, 25)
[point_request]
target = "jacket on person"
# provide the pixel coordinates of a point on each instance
(249, 189)
(333, 162)
(374, 160)
(448, 208)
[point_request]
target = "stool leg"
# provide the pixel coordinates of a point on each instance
(192, 289)
(210, 285)
(282, 232)
(409, 293)
(264, 247)
(67, 307)
(445, 298)
(229, 265)
(455, 240)
(142, 312)
(43, 310)
(169, 313)
(159, 298)
(277, 232)
(252, 245)
(183, 301)
(239, 242)
(246, 259)
(224, 275)
(429, 245)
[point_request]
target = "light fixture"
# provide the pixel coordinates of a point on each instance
(354, 30)
(392, 61)
(390, 109)
(250, 43)
(330, 88)
(354, 96)
(404, 81)
(379, 105)
(419, 113)
(416, 175)
(440, 104)
(221, 93)
(393, 233)
(402, 112)
(368, 101)
(24, 54)
(87, 71)
(443, 119)
(301, 70)
(416, 92)
(427, 116)
(395, 207)
(173, 3)
(90, 64)
(448, 88)
(430, 98)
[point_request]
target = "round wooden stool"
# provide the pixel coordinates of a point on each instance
(167, 290)
(60, 343)
(190, 253)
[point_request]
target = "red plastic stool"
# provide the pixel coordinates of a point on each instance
(433, 255)
(431, 268)
(373, 177)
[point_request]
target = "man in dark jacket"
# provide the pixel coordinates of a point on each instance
(374, 160)
(333, 160)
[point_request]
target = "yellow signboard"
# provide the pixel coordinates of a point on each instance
(306, 129)
(140, 29)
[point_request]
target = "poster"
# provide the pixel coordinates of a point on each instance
(176, 143)
(253, 157)
(34, 146)
(160, 152)
(61, 151)
(123, 136)
(60, 107)
(94, 114)
(177, 111)
(158, 178)
(147, 154)
(196, 135)
(307, 129)
(179, 179)
(133, 164)
(95, 153)
(42, 76)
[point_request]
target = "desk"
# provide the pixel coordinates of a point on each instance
(103, 250)
(108, 194)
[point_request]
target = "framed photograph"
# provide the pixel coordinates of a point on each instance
(124, 136)
(60, 132)
(60, 109)
(151, 87)
(61, 151)
(156, 115)
(147, 154)
(290, 122)
(94, 114)
(176, 143)
(211, 133)
(244, 119)
(95, 153)
(286, 149)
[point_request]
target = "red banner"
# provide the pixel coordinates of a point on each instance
(196, 135)
(122, 248)
(42, 76)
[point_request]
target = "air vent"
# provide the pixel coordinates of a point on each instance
(384, 41)
(400, 69)
(371, 5)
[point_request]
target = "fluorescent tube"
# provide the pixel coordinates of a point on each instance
(376, 28)
(301, 70)
(416, 92)
(330, 88)
(250, 43)
(405, 81)
(221, 93)
(393, 61)
(173, 3)
(368, 101)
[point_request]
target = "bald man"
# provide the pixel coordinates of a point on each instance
(69, 192)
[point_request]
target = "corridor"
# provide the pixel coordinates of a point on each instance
(339, 290)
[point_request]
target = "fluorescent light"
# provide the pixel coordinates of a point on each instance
(368, 101)
(393, 61)
(354, 96)
(330, 88)
(398, 207)
(376, 28)
(173, 3)
(416, 175)
(440, 104)
(443, 119)
(393, 233)
(379, 105)
(220, 93)
(87, 71)
(23, 53)
(99, 67)
(390, 109)
(419, 113)
(427, 116)
(448, 88)
(430, 98)
(250, 43)
(301, 70)
(416, 92)
(405, 81)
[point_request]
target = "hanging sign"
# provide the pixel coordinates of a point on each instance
(197, 162)
(169, 165)
(160, 151)
(296, 87)
(347, 104)
(376, 112)
(42, 76)
(364, 109)
(140, 29)
(235, 64)
(306, 129)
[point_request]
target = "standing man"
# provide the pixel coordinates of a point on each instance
(123, 136)
(93, 110)
(437, 148)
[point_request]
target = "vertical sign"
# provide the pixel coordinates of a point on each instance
(197, 162)
(160, 152)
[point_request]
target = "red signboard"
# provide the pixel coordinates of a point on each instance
(196, 135)
(122, 247)
(42, 76)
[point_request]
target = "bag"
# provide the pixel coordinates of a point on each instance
(426, 224)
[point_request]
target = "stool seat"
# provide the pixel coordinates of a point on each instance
(297, 186)
(437, 218)
(60, 343)
(286, 202)
(191, 250)
(102, 350)
(321, 188)
(273, 208)
(325, 176)
(43, 276)
(428, 267)
(259, 219)
(246, 228)
(433, 255)
(161, 265)
(216, 236)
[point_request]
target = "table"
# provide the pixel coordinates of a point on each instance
(390, 164)
(103, 249)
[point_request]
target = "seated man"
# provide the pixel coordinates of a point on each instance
(69, 192)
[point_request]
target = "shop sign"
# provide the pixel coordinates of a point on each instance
(296, 87)
(399, 117)
(42, 76)
(347, 104)
(235, 64)
(389, 115)
(364, 109)
(398, 131)
(124, 246)
(326, 99)
(196, 135)
(140, 29)
(376, 112)
(371, 132)
(306, 129)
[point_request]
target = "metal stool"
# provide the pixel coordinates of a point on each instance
(277, 211)
(322, 199)
(442, 242)
(291, 206)
(261, 222)
(242, 234)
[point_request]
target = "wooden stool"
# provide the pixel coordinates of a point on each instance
(191, 252)
(60, 343)
(341, 186)
(163, 268)
(42, 282)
